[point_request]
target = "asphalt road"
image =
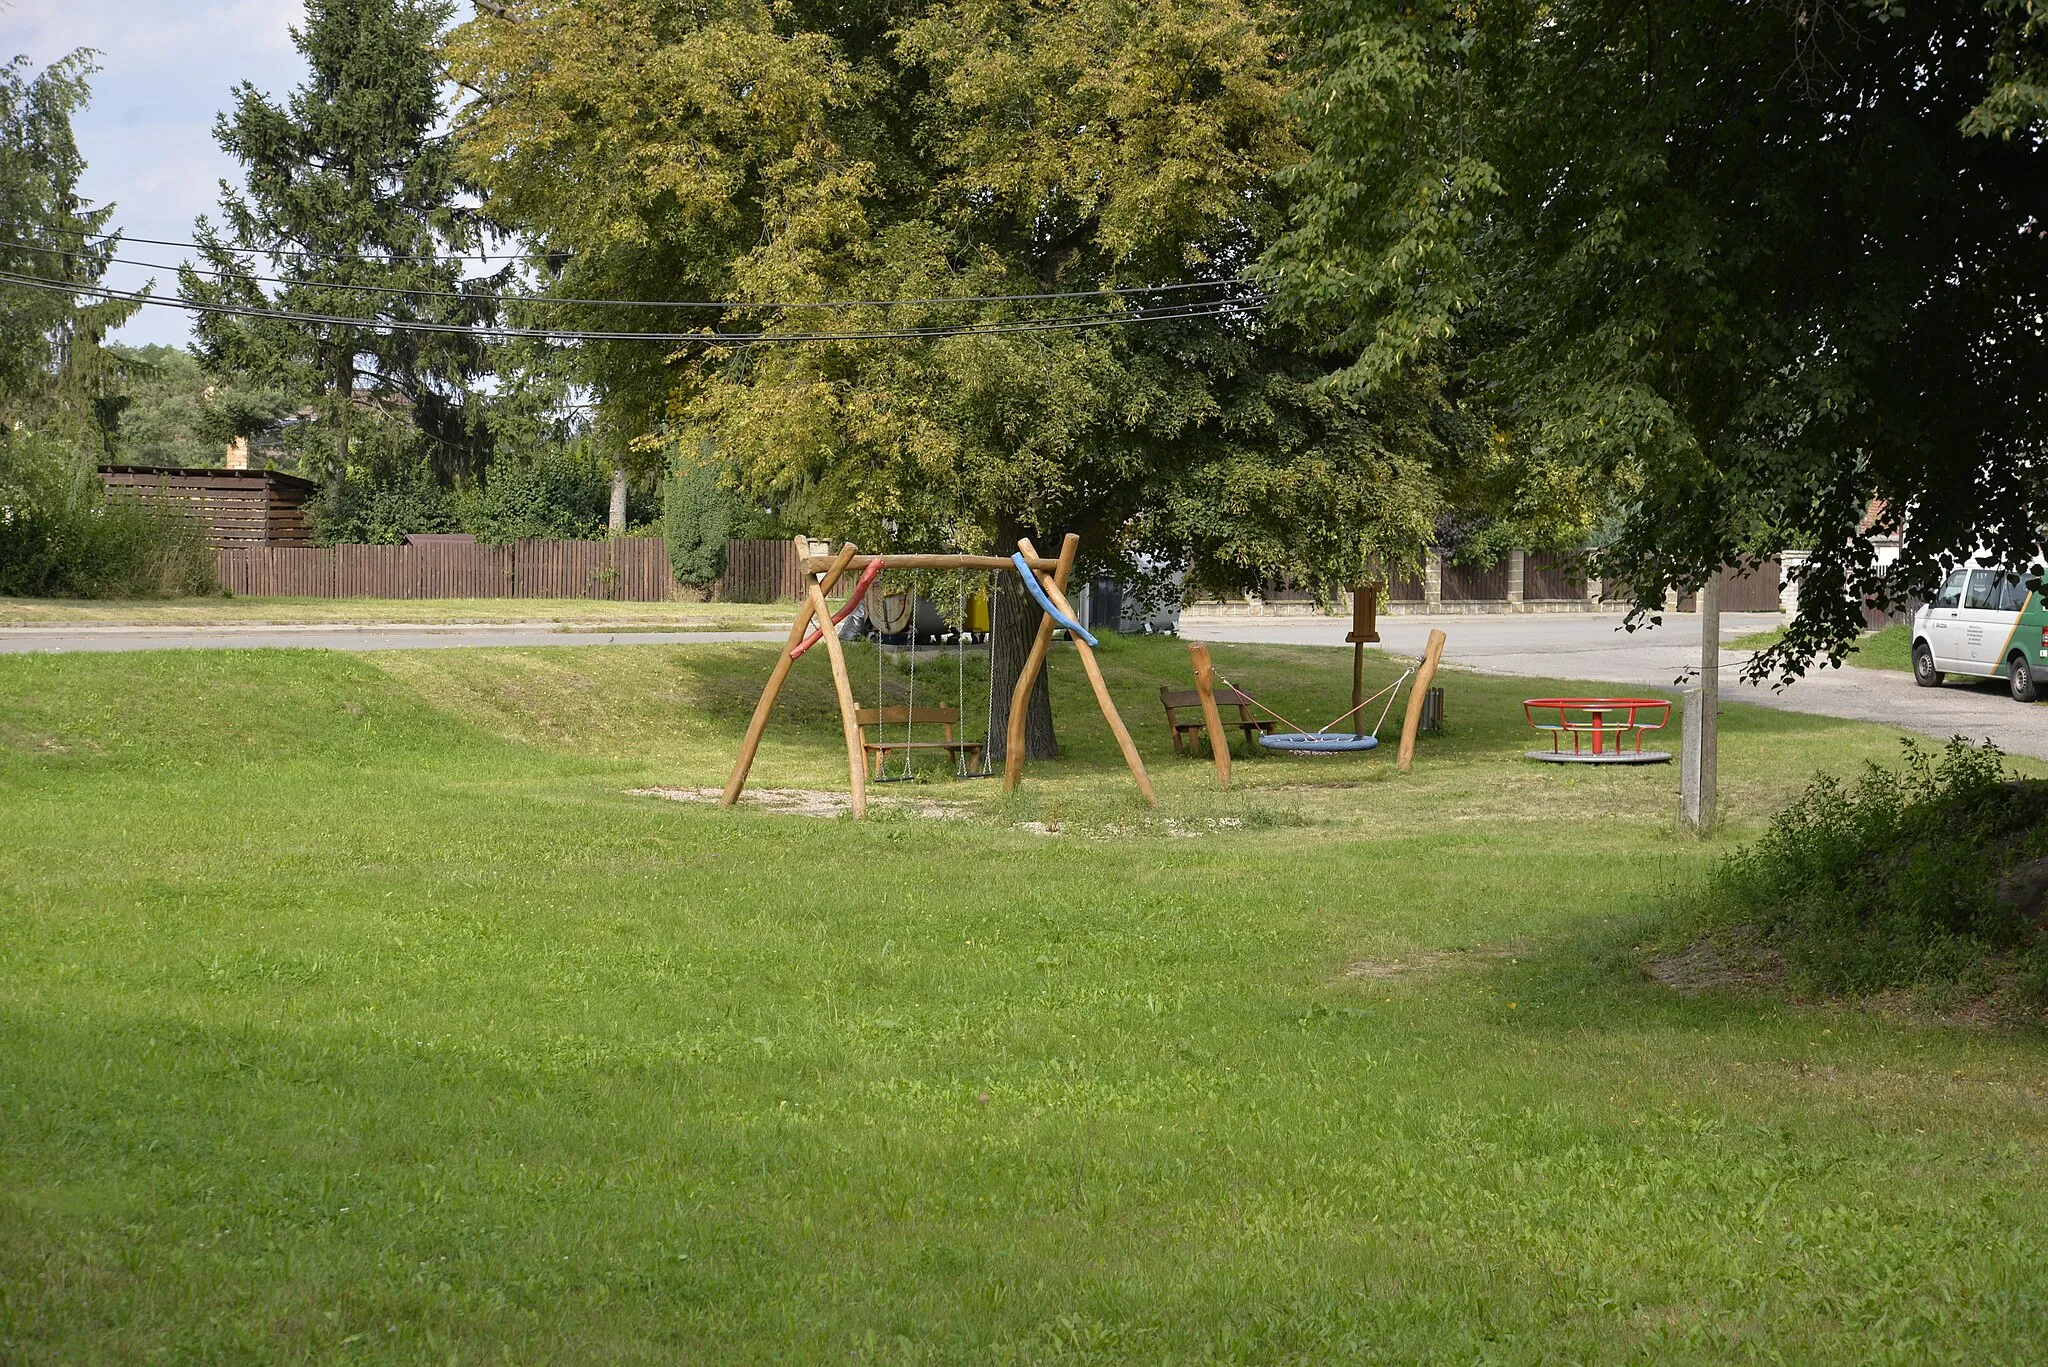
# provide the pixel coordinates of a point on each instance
(1592, 646)
(22, 640)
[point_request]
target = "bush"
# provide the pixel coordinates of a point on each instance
(64, 535)
(1906, 878)
(382, 508)
(560, 492)
(697, 515)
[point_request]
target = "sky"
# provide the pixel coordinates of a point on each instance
(167, 68)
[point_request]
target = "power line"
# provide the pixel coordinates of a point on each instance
(1105, 291)
(280, 253)
(1174, 313)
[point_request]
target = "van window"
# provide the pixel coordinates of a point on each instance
(1951, 594)
(2013, 596)
(1983, 590)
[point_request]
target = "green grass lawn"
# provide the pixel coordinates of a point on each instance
(351, 1010)
(23, 612)
(1886, 648)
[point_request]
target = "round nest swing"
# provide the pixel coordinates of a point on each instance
(1317, 742)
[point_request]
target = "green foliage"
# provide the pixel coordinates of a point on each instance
(562, 491)
(808, 152)
(55, 377)
(351, 182)
(383, 507)
(1734, 274)
(62, 534)
(1895, 881)
(698, 513)
(174, 414)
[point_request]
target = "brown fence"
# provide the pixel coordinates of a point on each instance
(630, 569)
(1752, 591)
(761, 572)
(1475, 583)
(1553, 577)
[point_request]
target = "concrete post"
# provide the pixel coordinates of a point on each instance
(1433, 580)
(1593, 591)
(1699, 733)
(1517, 571)
(1788, 583)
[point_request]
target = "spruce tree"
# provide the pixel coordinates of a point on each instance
(348, 194)
(55, 377)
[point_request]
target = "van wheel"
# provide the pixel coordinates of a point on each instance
(2020, 675)
(1924, 672)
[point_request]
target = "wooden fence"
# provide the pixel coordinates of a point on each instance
(1746, 591)
(629, 569)
(1553, 577)
(761, 572)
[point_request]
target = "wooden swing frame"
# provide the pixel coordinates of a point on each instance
(822, 574)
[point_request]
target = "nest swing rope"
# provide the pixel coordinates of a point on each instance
(1328, 740)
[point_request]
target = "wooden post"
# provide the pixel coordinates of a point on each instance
(1417, 691)
(849, 720)
(1364, 630)
(1020, 698)
(1699, 734)
(1205, 687)
(766, 705)
(1095, 680)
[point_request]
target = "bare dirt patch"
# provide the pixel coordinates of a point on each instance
(1732, 960)
(1423, 961)
(814, 802)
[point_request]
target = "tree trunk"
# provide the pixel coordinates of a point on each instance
(618, 520)
(1013, 621)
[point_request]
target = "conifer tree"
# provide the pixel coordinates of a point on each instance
(348, 194)
(55, 376)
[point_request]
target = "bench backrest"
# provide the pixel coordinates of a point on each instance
(907, 716)
(1176, 698)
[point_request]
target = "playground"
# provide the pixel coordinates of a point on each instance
(368, 1010)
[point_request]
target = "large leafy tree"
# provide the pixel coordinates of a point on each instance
(55, 374)
(1751, 270)
(777, 157)
(350, 194)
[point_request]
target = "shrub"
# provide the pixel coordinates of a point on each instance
(561, 492)
(697, 515)
(62, 534)
(382, 508)
(1902, 879)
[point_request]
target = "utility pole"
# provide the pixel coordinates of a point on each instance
(1699, 736)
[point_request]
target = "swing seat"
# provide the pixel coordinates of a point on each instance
(1318, 742)
(879, 749)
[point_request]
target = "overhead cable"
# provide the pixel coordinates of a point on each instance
(736, 305)
(1172, 313)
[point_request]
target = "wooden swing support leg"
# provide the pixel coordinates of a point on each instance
(1094, 670)
(1020, 696)
(849, 719)
(1205, 689)
(1425, 674)
(773, 689)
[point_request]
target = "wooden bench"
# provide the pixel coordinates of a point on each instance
(883, 719)
(1178, 700)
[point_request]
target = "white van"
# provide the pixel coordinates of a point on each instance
(1983, 623)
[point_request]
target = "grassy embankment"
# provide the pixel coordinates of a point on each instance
(570, 612)
(351, 1009)
(1886, 648)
